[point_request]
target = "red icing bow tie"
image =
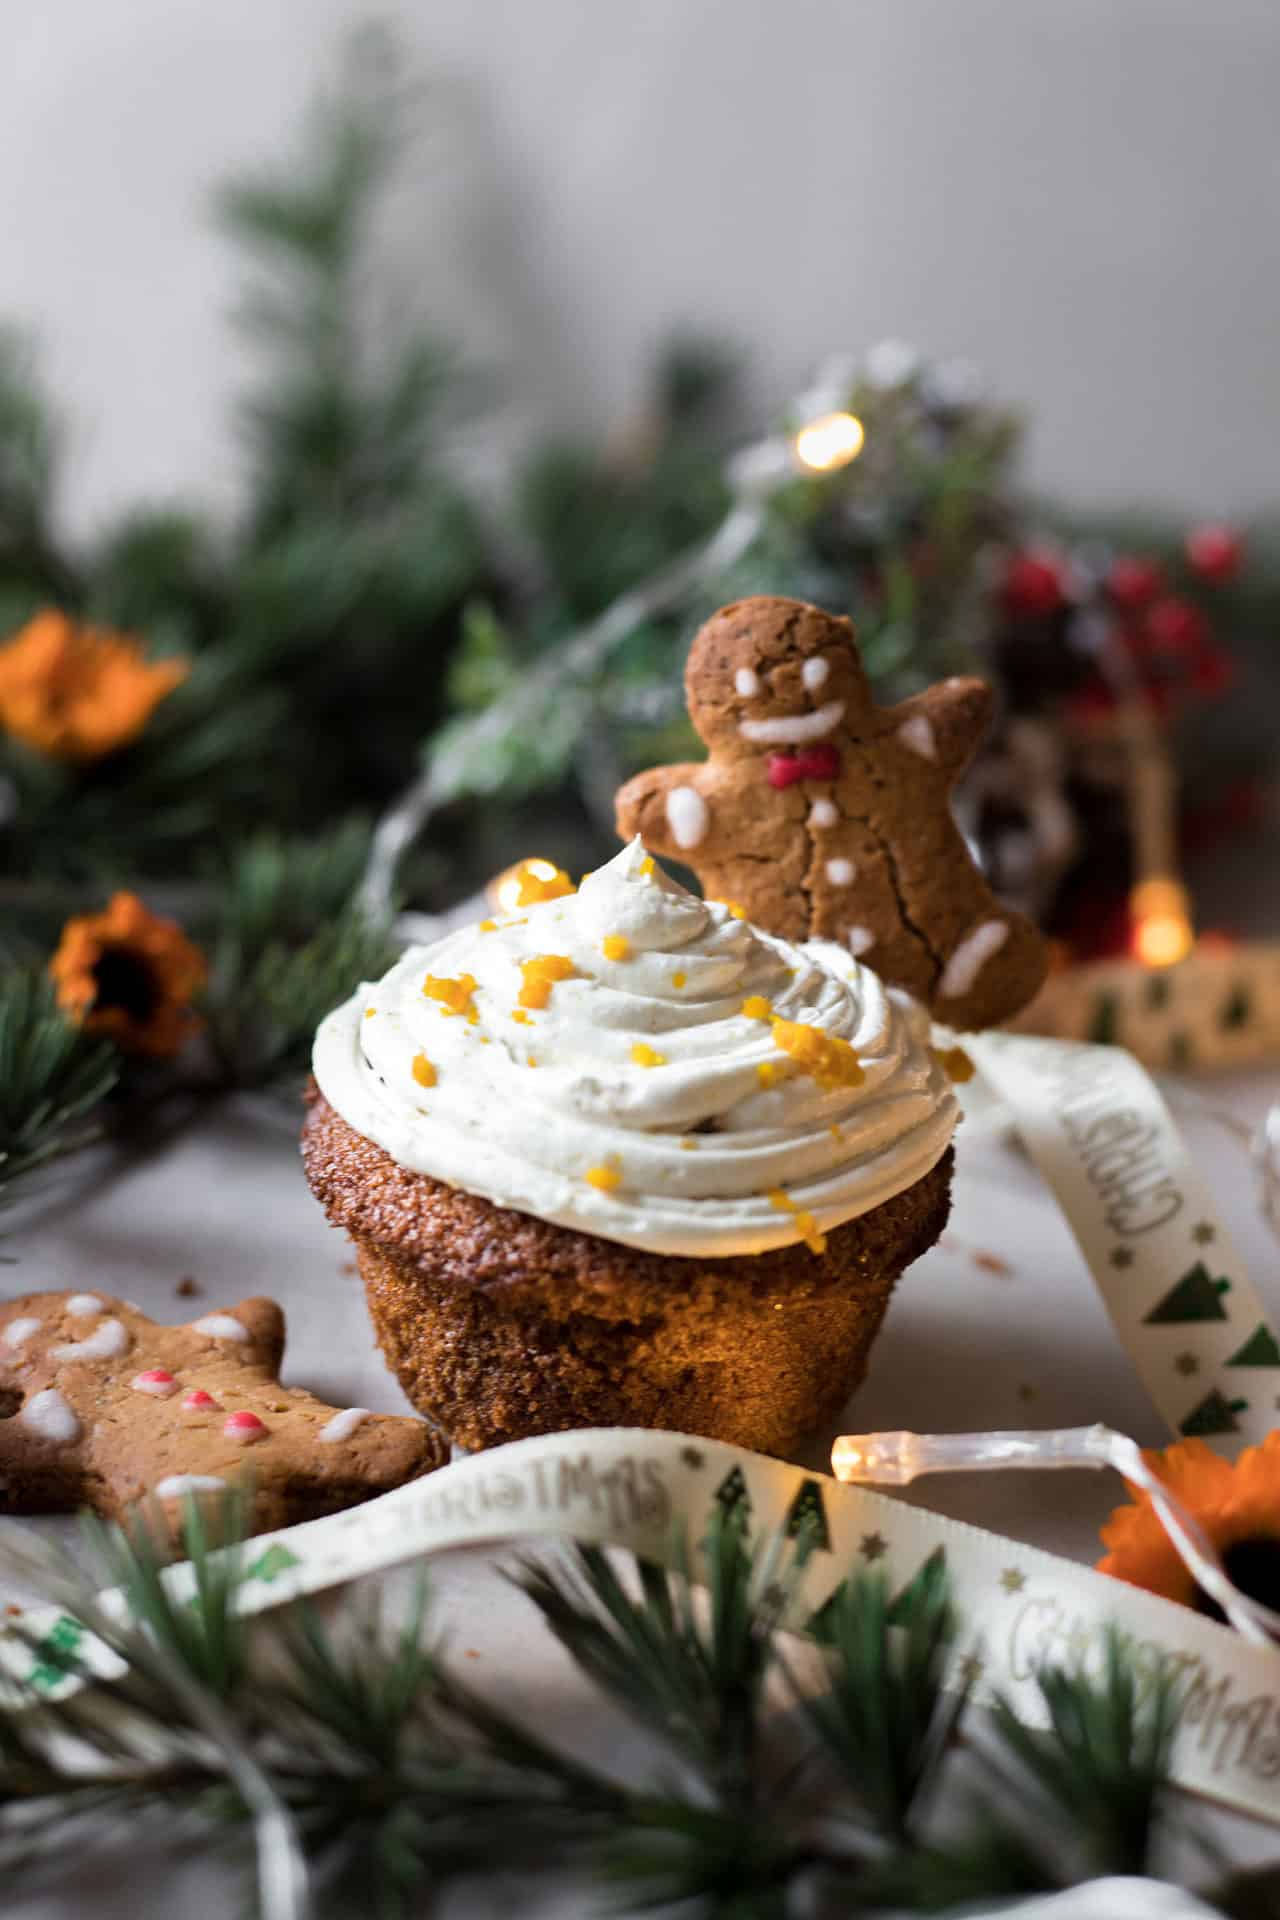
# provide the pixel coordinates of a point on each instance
(815, 763)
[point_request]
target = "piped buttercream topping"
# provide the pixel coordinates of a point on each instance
(792, 1067)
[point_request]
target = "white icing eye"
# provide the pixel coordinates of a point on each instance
(747, 682)
(814, 673)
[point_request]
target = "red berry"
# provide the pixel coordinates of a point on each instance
(244, 1426)
(1175, 626)
(1133, 581)
(1215, 552)
(198, 1401)
(1034, 585)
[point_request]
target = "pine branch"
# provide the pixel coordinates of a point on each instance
(52, 1079)
(289, 943)
(395, 1776)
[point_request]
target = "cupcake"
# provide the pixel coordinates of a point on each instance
(622, 1158)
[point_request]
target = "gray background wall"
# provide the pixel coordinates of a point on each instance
(1080, 195)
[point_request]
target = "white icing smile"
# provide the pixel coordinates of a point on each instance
(793, 729)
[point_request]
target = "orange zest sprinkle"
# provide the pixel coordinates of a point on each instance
(767, 1073)
(832, 1062)
(488, 926)
(646, 1056)
(604, 1179)
(423, 1071)
(835, 1132)
(540, 974)
(955, 1063)
(369, 1012)
(646, 866)
(616, 946)
(536, 886)
(454, 996)
(518, 1013)
(531, 1062)
(679, 979)
(780, 1199)
(688, 1146)
(756, 1007)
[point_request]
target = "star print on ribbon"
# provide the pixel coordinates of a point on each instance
(1097, 1128)
(815, 763)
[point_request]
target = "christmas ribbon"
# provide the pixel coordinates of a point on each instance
(1018, 1606)
(1104, 1141)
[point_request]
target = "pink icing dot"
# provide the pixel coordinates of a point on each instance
(244, 1426)
(155, 1380)
(198, 1401)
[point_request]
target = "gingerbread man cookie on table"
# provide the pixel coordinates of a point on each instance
(101, 1407)
(825, 816)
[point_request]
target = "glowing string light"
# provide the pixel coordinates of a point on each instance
(829, 442)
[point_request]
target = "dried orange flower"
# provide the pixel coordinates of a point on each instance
(1238, 1507)
(129, 974)
(78, 692)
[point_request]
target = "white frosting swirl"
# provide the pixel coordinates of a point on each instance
(701, 1147)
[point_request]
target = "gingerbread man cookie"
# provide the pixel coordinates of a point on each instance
(101, 1407)
(825, 816)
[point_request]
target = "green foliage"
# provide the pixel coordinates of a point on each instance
(390, 1777)
(288, 942)
(52, 1079)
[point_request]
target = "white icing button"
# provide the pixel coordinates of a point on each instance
(840, 872)
(747, 682)
(179, 1483)
(48, 1415)
(687, 816)
(917, 733)
(84, 1303)
(859, 940)
(814, 673)
(969, 958)
(823, 813)
(107, 1340)
(221, 1326)
(343, 1424)
(19, 1331)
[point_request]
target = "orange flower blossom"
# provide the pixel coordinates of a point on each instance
(77, 692)
(1237, 1505)
(130, 975)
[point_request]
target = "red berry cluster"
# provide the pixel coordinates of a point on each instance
(1167, 637)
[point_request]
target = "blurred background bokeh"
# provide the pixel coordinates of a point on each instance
(353, 369)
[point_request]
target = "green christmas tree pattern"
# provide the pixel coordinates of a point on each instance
(732, 1492)
(1259, 1350)
(1196, 1296)
(807, 1513)
(1215, 1414)
(276, 1560)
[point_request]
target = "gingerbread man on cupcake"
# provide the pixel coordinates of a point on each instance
(824, 816)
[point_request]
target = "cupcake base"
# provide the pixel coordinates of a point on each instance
(499, 1325)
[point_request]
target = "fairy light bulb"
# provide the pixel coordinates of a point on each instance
(831, 441)
(1161, 915)
(895, 1459)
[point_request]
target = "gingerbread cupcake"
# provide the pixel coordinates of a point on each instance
(623, 1158)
